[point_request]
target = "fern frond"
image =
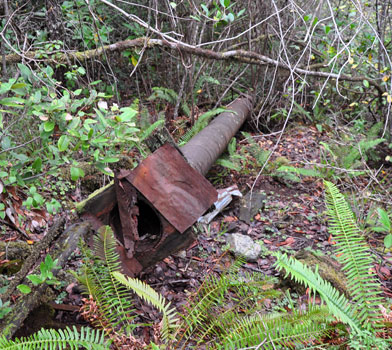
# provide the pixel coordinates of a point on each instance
(200, 124)
(204, 79)
(356, 153)
(216, 305)
(336, 302)
(300, 171)
(166, 94)
(244, 293)
(150, 129)
(148, 294)
(354, 254)
(111, 297)
(67, 338)
(277, 330)
(228, 164)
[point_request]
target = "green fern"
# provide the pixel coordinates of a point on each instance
(150, 129)
(149, 295)
(356, 152)
(168, 95)
(67, 338)
(110, 290)
(200, 124)
(201, 81)
(217, 304)
(299, 171)
(354, 254)
(336, 302)
(112, 298)
(361, 313)
(282, 330)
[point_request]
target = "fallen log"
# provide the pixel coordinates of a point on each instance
(53, 233)
(61, 249)
(152, 207)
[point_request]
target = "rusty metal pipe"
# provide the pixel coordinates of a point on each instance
(204, 149)
(152, 207)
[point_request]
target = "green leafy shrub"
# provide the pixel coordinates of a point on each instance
(60, 130)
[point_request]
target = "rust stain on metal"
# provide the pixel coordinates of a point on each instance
(178, 191)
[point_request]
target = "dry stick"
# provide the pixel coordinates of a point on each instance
(14, 227)
(242, 56)
(4, 62)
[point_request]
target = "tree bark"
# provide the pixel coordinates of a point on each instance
(54, 20)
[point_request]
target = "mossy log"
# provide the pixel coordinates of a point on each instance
(15, 250)
(328, 268)
(61, 249)
(34, 256)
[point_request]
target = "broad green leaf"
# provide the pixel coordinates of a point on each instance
(239, 14)
(388, 241)
(76, 173)
(5, 87)
(24, 289)
(35, 279)
(15, 102)
(384, 219)
(230, 17)
(25, 71)
(327, 29)
(28, 202)
(36, 98)
(366, 83)
(134, 61)
(110, 160)
(49, 126)
(19, 86)
(205, 9)
(63, 143)
(127, 115)
(37, 165)
(74, 123)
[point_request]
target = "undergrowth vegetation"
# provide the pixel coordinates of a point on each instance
(226, 312)
(85, 83)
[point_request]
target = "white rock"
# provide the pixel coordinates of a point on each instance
(242, 245)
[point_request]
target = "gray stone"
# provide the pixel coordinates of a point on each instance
(242, 245)
(250, 205)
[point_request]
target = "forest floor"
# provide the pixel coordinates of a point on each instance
(292, 219)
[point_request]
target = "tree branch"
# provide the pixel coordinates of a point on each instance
(240, 55)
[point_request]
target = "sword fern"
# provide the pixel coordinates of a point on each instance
(354, 254)
(50, 339)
